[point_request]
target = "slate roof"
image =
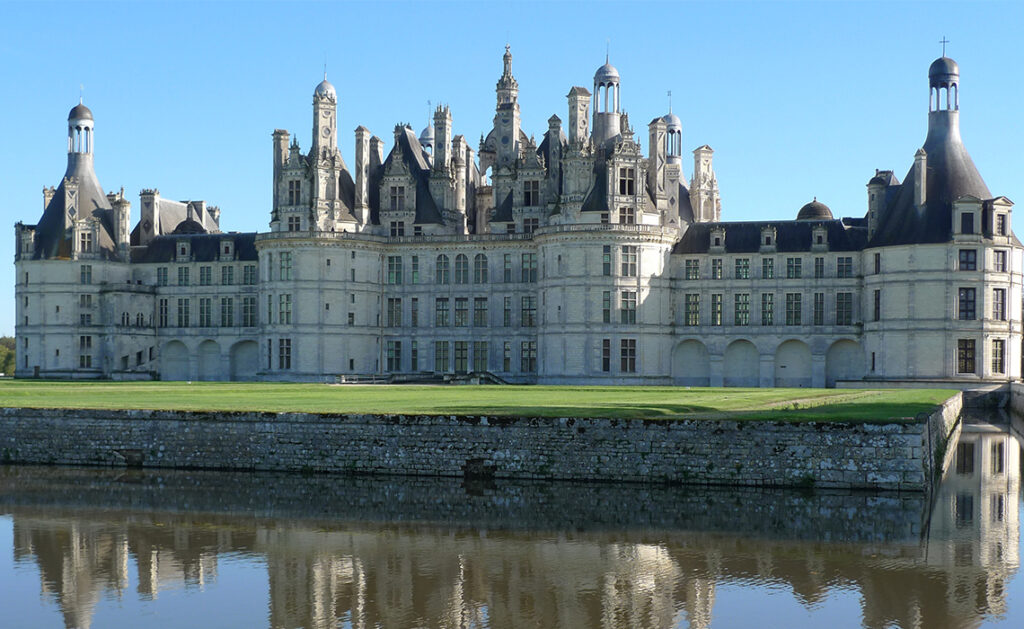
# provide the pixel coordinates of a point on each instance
(415, 161)
(848, 234)
(205, 247)
(52, 240)
(503, 213)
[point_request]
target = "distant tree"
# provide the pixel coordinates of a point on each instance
(7, 355)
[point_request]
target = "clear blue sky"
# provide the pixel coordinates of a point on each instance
(798, 99)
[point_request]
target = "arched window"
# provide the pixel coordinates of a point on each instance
(461, 269)
(480, 269)
(442, 270)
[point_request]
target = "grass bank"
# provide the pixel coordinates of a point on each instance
(543, 401)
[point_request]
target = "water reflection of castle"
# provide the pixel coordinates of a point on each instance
(322, 574)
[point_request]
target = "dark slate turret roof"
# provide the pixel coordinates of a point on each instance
(415, 161)
(847, 234)
(52, 240)
(80, 112)
(814, 211)
(205, 247)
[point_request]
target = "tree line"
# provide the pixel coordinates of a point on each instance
(7, 355)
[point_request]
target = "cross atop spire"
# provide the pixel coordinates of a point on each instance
(944, 41)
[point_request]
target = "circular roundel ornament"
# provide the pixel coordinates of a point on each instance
(504, 139)
(326, 132)
(147, 225)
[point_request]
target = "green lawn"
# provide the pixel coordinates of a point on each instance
(549, 401)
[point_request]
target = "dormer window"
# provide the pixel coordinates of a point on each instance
(627, 181)
(294, 191)
(294, 223)
(531, 193)
(1000, 224)
(85, 242)
(767, 241)
(627, 216)
(967, 223)
(397, 198)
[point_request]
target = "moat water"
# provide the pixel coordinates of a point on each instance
(144, 548)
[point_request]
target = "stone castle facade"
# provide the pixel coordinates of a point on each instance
(576, 259)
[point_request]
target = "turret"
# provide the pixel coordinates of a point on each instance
(442, 138)
(122, 221)
(579, 114)
(506, 115)
(281, 138)
(607, 115)
(704, 197)
(149, 203)
(325, 118)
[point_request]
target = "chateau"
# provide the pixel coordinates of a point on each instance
(576, 259)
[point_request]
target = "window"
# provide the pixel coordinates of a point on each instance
(967, 223)
(606, 355)
(249, 312)
(692, 269)
(397, 228)
(461, 312)
(227, 312)
(844, 266)
(965, 458)
(793, 308)
(999, 304)
(627, 310)
(479, 269)
(507, 315)
(1000, 224)
(293, 192)
(819, 267)
(204, 312)
(394, 312)
(227, 275)
(441, 356)
(183, 276)
(998, 356)
(999, 260)
(84, 361)
(742, 268)
(716, 309)
(627, 181)
(968, 260)
(507, 268)
(394, 269)
(767, 268)
(161, 276)
(965, 355)
(415, 270)
(627, 355)
(351, 318)
(510, 228)
(461, 356)
(161, 319)
(414, 312)
(529, 270)
(397, 198)
(461, 269)
(605, 218)
(506, 356)
(966, 310)
(627, 216)
(441, 312)
(442, 272)
(629, 254)
(877, 309)
(294, 223)
(205, 276)
(480, 355)
(742, 309)
(606, 260)
(285, 266)
(692, 309)
(767, 309)
(417, 230)
(285, 309)
(878, 263)
(531, 193)
(606, 306)
(85, 319)
(183, 314)
(85, 301)
(528, 311)
(414, 356)
(393, 352)
(528, 356)
(998, 459)
(480, 312)
(284, 353)
(716, 268)
(844, 308)
(249, 274)
(530, 225)
(793, 268)
(85, 342)
(85, 274)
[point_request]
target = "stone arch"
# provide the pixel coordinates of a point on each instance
(691, 365)
(208, 360)
(793, 364)
(844, 361)
(174, 362)
(245, 358)
(741, 365)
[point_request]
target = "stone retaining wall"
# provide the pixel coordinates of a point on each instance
(897, 455)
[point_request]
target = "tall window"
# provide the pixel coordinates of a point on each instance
(767, 268)
(531, 193)
(878, 263)
(227, 275)
(227, 312)
(293, 192)
(397, 198)
(966, 310)
(397, 228)
(183, 276)
(691, 312)
(183, 312)
(606, 354)
(629, 255)
(394, 312)
(606, 260)
(999, 260)
(507, 313)
(627, 355)
(528, 356)
(393, 351)
(692, 269)
(767, 309)
(877, 309)
(479, 269)
(285, 260)
(742, 268)
(249, 274)
(461, 312)
(742, 306)
(844, 266)
(394, 269)
(248, 311)
(285, 309)
(441, 312)
(441, 356)
(461, 356)
(1000, 224)
(627, 215)
(844, 308)
(965, 356)
(528, 311)
(716, 268)
(415, 269)
(162, 314)
(85, 242)
(204, 312)
(818, 313)
(480, 312)
(793, 268)
(507, 268)
(414, 356)
(529, 269)
(716, 309)
(606, 306)
(205, 276)
(793, 308)
(998, 356)
(819, 267)
(967, 223)
(461, 269)
(627, 312)
(284, 353)
(442, 272)
(161, 276)
(414, 312)
(968, 259)
(627, 181)
(506, 356)
(999, 304)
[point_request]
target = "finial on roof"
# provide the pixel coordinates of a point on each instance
(944, 41)
(607, 49)
(670, 101)
(81, 91)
